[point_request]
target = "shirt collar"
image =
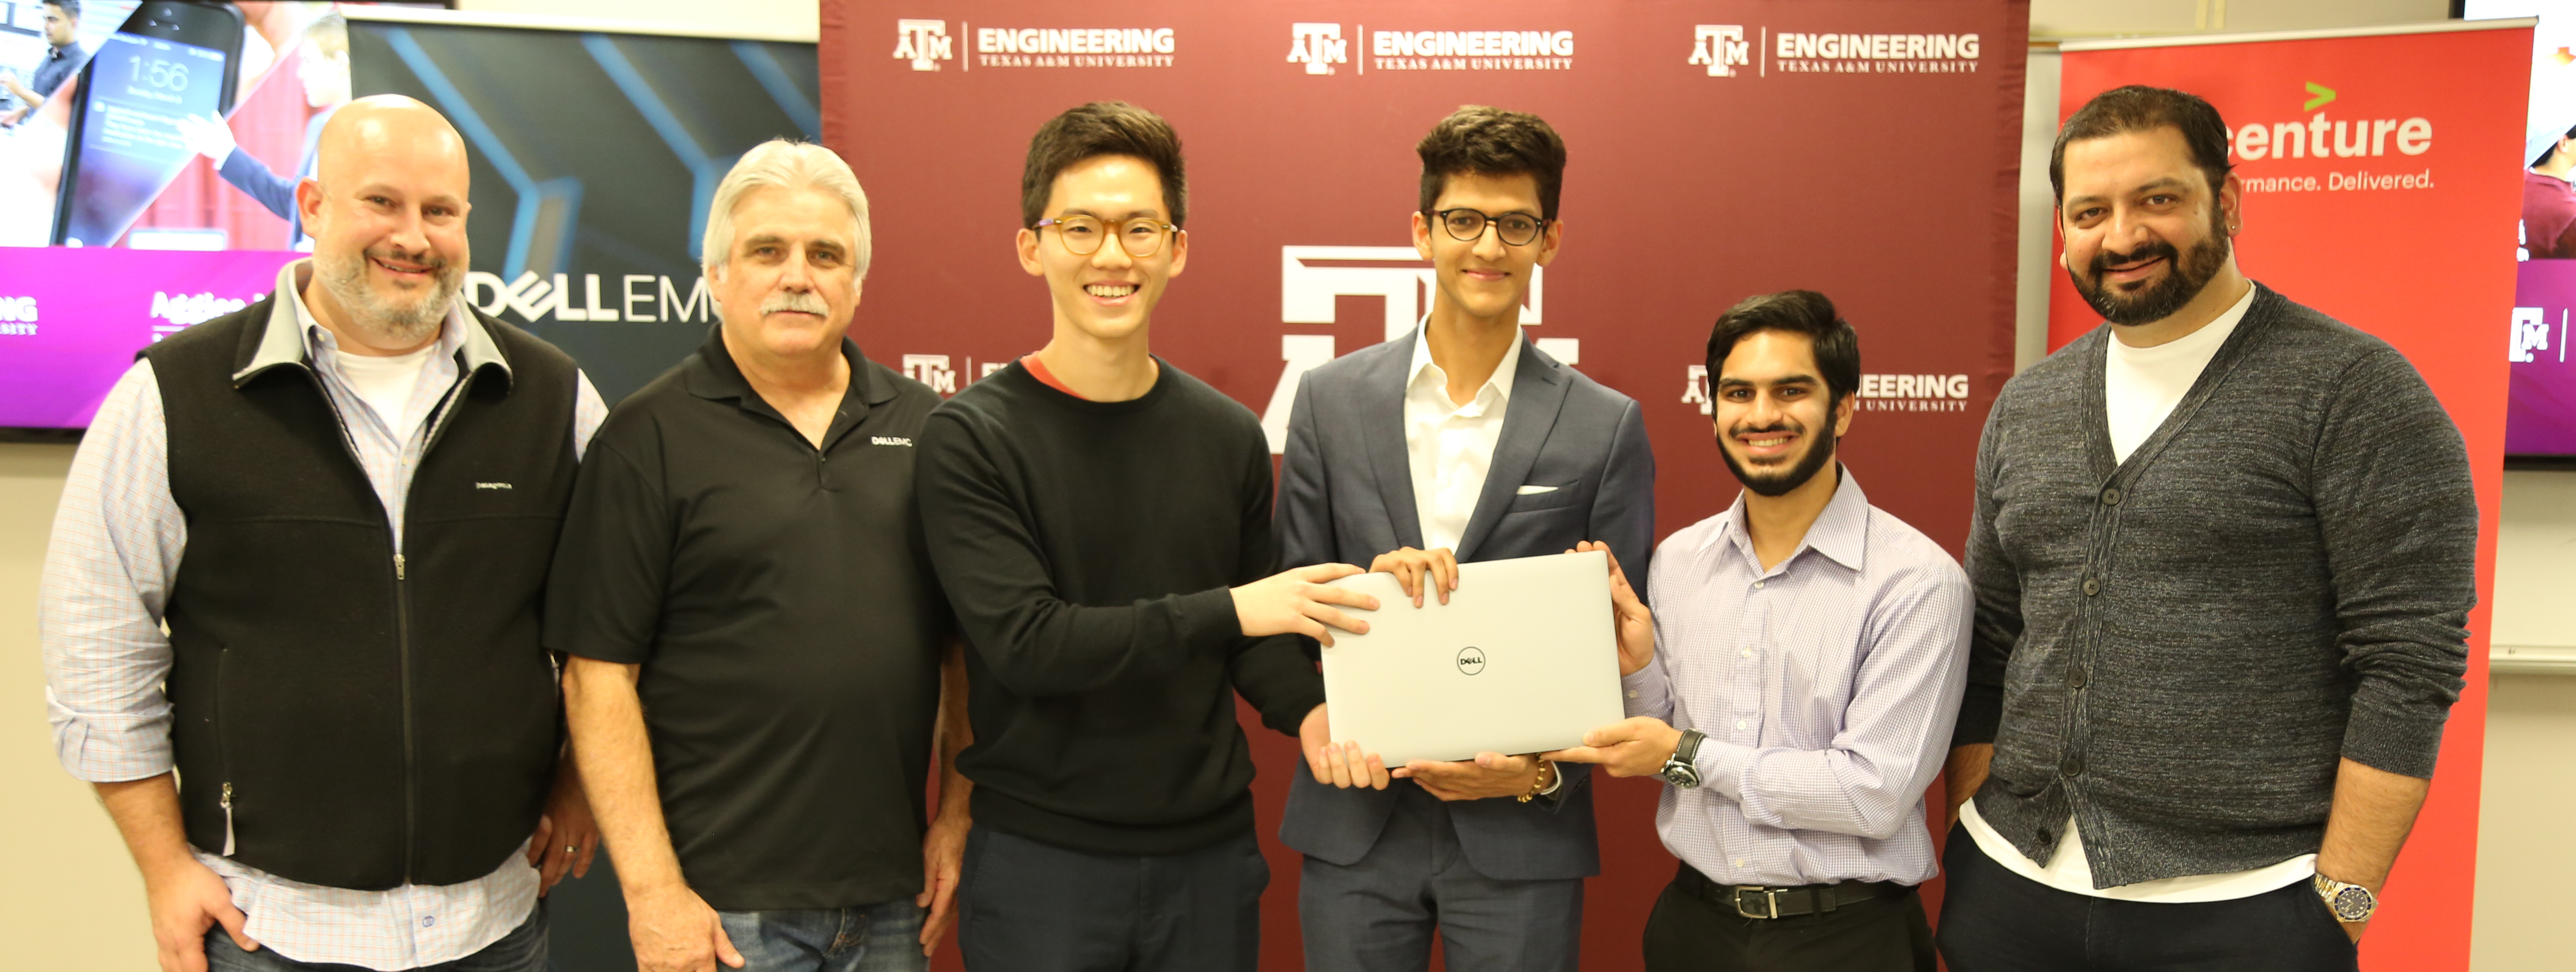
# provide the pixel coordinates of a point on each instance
(1500, 381)
(714, 375)
(1840, 533)
(292, 332)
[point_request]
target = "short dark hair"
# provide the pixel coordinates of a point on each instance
(1091, 131)
(2545, 154)
(71, 8)
(2138, 108)
(1796, 312)
(1477, 140)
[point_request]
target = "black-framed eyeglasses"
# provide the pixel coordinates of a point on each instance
(1468, 225)
(1139, 236)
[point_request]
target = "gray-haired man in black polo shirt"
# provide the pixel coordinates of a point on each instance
(2222, 551)
(758, 638)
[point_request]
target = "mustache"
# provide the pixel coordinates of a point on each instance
(1784, 425)
(800, 302)
(426, 258)
(2105, 260)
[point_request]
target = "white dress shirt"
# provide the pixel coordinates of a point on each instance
(1826, 686)
(116, 544)
(2140, 387)
(1450, 445)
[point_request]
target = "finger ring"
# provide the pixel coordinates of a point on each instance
(570, 849)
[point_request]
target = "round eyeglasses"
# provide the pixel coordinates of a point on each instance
(1140, 236)
(1468, 225)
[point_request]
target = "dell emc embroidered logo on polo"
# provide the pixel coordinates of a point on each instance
(1471, 659)
(491, 485)
(888, 440)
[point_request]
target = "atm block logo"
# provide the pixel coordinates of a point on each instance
(923, 42)
(1722, 48)
(1318, 46)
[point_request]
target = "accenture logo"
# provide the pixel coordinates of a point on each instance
(923, 42)
(1317, 46)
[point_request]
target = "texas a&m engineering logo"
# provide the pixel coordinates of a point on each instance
(1722, 47)
(1318, 47)
(923, 42)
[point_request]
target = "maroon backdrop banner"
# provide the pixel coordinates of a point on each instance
(1867, 149)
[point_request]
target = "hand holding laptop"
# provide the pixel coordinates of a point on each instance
(1636, 746)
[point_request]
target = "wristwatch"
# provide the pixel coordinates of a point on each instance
(1678, 770)
(2349, 902)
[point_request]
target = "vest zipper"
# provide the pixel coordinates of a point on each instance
(223, 754)
(411, 762)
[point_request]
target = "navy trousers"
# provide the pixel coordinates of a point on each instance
(1035, 907)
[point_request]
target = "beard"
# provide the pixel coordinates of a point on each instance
(1778, 480)
(398, 323)
(2188, 274)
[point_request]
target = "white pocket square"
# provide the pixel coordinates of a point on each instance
(1535, 490)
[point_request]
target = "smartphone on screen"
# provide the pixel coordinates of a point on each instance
(172, 58)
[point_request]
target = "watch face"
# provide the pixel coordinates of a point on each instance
(2352, 903)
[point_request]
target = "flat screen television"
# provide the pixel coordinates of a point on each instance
(154, 189)
(2540, 417)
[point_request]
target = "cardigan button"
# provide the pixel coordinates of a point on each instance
(2073, 766)
(2111, 496)
(2092, 587)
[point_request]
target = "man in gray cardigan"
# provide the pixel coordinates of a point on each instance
(1459, 442)
(2223, 550)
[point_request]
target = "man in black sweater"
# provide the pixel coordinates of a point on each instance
(1101, 522)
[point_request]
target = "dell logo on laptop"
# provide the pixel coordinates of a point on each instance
(1471, 659)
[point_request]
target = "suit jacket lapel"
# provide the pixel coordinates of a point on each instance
(1382, 433)
(1538, 394)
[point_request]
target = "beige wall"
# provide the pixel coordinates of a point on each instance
(74, 901)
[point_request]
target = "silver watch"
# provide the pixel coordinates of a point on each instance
(1678, 770)
(2349, 902)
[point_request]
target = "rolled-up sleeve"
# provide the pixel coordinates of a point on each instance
(116, 541)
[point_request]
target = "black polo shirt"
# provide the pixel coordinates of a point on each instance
(781, 602)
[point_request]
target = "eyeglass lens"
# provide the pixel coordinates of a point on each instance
(1467, 225)
(1137, 237)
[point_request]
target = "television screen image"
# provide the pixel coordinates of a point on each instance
(154, 188)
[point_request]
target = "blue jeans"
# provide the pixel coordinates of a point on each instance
(882, 937)
(522, 950)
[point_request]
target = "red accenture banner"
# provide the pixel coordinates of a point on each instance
(2381, 187)
(1868, 150)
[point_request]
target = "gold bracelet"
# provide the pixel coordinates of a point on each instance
(1546, 771)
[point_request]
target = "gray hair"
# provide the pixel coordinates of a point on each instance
(792, 165)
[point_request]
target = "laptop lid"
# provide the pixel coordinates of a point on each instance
(1523, 659)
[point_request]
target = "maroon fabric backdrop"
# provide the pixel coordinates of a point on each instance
(1865, 149)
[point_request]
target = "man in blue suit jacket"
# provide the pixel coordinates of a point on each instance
(1462, 442)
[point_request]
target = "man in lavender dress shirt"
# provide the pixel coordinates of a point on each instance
(1797, 685)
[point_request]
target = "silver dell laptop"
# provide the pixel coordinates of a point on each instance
(1523, 659)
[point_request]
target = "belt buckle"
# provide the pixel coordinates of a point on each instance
(1770, 900)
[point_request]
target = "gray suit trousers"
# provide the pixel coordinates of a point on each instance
(1378, 914)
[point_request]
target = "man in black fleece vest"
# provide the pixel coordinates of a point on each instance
(1101, 522)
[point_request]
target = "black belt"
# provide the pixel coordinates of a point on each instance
(1756, 901)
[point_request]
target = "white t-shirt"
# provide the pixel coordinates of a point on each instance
(2140, 387)
(386, 384)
